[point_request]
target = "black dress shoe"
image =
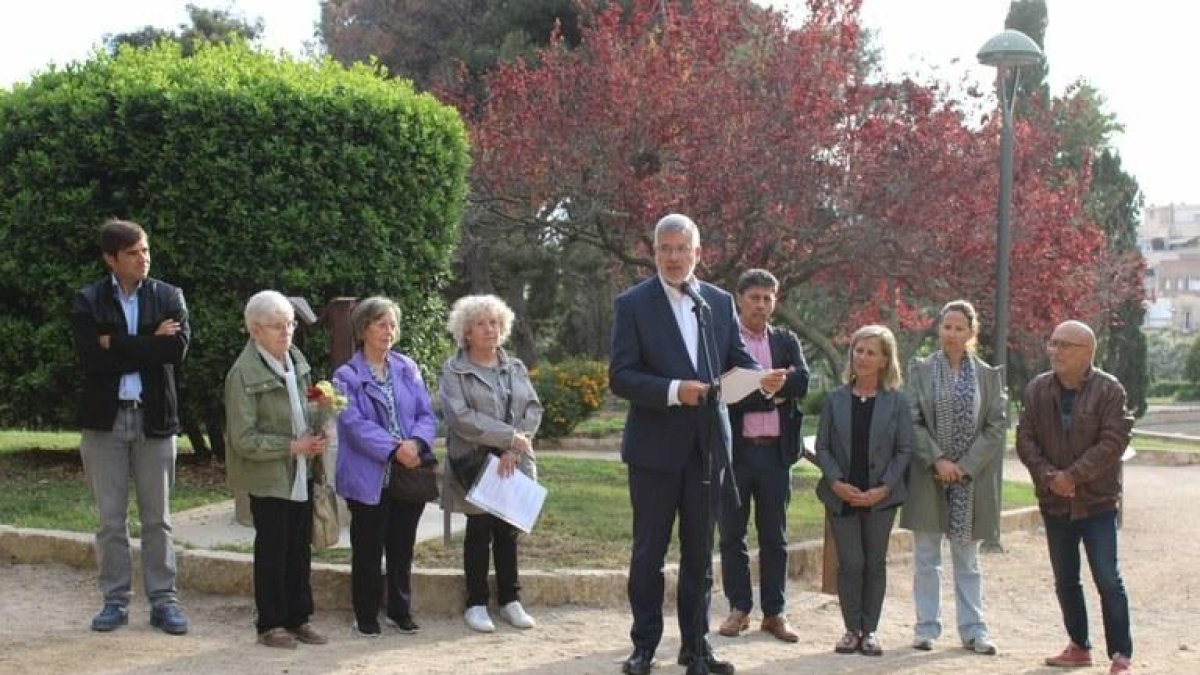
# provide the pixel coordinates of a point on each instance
(639, 662)
(715, 665)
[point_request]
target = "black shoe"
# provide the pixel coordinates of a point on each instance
(639, 662)
(404, 624)
(715, 665)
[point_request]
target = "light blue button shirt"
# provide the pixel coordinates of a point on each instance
(131, 382)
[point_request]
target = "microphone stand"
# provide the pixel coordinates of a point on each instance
(712, 402)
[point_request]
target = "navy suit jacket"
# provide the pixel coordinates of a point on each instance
(648, 352)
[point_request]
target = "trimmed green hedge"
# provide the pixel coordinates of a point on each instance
(249, 171)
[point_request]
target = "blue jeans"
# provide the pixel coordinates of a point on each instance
(1099, 536)
(764, 478)
(927, 586)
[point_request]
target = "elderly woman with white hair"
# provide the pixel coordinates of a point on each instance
(270, 455)
(490, 407)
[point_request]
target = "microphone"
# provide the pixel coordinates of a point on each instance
(694, 294)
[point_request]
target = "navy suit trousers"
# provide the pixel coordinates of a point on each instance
(657, 498)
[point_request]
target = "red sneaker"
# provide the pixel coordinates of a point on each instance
(1073, 656)
(1120, 665)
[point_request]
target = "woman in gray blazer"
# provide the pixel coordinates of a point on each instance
(490, 407)
(958, 410)
(864, 442)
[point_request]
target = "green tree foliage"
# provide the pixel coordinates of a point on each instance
(428, 41)
(560, 291)
(207, 25)
(1029, 17)
(1191, 370)
(249, 172)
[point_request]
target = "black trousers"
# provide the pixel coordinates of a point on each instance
(487, 533)
(389, 526)
(282, 562)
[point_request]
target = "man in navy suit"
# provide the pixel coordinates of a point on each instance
(658, 364)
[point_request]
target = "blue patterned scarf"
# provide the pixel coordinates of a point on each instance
(954, 425)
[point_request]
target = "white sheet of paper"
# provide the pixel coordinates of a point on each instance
(738, 383)
(516, 499)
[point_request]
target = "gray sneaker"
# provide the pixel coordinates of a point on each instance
(923, 644)
(981, 644)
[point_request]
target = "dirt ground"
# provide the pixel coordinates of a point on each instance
(46, 609)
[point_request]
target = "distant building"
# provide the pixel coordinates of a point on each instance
(1169, 237)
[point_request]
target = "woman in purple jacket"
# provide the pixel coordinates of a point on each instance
(388, 422)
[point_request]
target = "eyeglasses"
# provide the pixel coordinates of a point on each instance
(1062, 344)
(284, 327)
(666, 250)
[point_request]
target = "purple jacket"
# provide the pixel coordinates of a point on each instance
(364, 443)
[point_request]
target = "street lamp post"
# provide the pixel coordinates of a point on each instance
(1007, 52)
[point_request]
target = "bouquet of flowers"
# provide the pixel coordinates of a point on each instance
(324, 404)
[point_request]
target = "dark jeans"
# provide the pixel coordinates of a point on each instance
(282, 561)
(389, 526)
(657, 498)
(762, 477)
(862, 545)
(488, 534)
(1099, 536)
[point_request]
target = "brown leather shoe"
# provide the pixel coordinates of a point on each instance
(737, 623)
(308, 635)
(278, 638)
(778, 626)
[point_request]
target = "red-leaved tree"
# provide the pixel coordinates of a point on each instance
(871, 201)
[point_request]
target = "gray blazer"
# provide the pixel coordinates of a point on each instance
(890, 448)
(925, 510)
(474, 414)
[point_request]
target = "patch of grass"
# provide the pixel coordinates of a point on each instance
(46, 488)
(600, 425)
(20, 440)
(1164, 445)
(587, 518)
(1140, 443)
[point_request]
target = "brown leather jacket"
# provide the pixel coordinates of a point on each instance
(1090, 451)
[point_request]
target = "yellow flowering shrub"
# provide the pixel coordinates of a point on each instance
(570, 391)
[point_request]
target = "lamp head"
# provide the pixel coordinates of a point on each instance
(1010, 48)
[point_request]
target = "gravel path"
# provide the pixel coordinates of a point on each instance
(43, 625)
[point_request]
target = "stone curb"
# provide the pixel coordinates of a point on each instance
(435, 591)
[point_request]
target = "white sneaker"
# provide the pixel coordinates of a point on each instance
(478, 620)
(515, 614)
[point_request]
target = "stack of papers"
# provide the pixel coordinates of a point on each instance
(516, 499)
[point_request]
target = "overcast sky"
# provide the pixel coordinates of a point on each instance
(1140, 55)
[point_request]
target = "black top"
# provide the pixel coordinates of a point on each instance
(1068, 407)
(860, 441)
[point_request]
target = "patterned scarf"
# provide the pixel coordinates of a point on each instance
(954, 426)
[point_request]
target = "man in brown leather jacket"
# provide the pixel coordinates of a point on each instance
(1073, 430)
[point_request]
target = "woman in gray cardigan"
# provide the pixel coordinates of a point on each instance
(864, 442)
(490, 407)
(958, 410)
